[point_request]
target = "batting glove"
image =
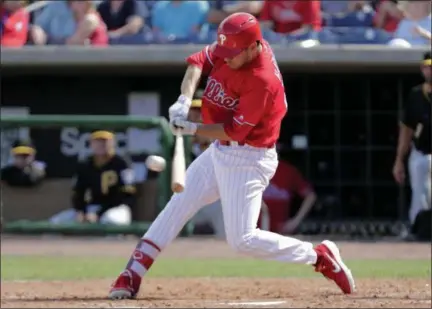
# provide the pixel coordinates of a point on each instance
(180, 108)
(185, 127)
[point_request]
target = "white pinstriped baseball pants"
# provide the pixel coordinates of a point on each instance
(238, 176)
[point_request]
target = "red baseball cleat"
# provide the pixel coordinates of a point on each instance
(126, 286)
(330, 264)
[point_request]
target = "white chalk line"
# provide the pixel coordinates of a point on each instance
(255, 303)
(229, 303)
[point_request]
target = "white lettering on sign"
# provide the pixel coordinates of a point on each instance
(75, 143)
(10, 135)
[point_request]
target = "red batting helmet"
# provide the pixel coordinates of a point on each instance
(236, 33)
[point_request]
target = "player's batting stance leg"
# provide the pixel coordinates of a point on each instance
(200, 189)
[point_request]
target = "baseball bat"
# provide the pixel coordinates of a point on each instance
(178, 170)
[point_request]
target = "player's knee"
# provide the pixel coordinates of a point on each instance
(241, 243)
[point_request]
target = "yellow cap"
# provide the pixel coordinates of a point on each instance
(427, 62)
(23, 150)
(102, 135)
(197, 103)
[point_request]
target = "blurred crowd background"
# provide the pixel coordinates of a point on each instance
(310, 22)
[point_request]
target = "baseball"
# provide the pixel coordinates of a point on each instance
(155, 163)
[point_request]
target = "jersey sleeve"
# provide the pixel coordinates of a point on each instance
(249, 111)
(203, 59)
(79, 189)
(409, 112)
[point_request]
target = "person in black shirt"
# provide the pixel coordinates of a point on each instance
(125, 20)
(24, 170)
(104, 188)
(415, 134)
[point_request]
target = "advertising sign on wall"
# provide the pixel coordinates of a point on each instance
(9, 136)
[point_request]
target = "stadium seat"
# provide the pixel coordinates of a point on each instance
(355, 19)
(353, 35)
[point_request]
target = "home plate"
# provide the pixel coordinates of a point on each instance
(257, 303)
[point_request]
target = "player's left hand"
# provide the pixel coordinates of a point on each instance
(180, 108)
(185, 127)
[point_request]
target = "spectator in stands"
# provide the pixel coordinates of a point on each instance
(125, 20)
(23, 170)
(72, 22)
(414, 28)
(278, 196)
(219, 9)
(14, 23)
(104, 187)
(178, 21)
(388, 15)
(294, 17)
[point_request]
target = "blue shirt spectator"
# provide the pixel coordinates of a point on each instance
(57, 20)
(178, 19)
(407, 31)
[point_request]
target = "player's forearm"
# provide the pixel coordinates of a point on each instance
(190, 81)
(404, 142)
(213, 131)
(306, 206)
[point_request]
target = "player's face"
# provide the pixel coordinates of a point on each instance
(238, 61)
(244, 57)
(427, 72)
(22, 160)
(101, 147)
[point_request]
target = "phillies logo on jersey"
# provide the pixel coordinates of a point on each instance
(215, 94)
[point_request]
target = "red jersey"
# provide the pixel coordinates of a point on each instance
(14, 28)
(250, 101)
(291, 15)
(286, 183)
(391, 23)
(99, 37)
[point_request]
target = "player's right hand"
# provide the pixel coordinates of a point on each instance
(183, 126)
(399, 172)
(180, 109)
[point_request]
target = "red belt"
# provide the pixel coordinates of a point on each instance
(231, 143)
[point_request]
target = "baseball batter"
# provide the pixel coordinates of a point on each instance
(242, 107)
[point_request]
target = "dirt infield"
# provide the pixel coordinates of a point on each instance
(212, 292)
